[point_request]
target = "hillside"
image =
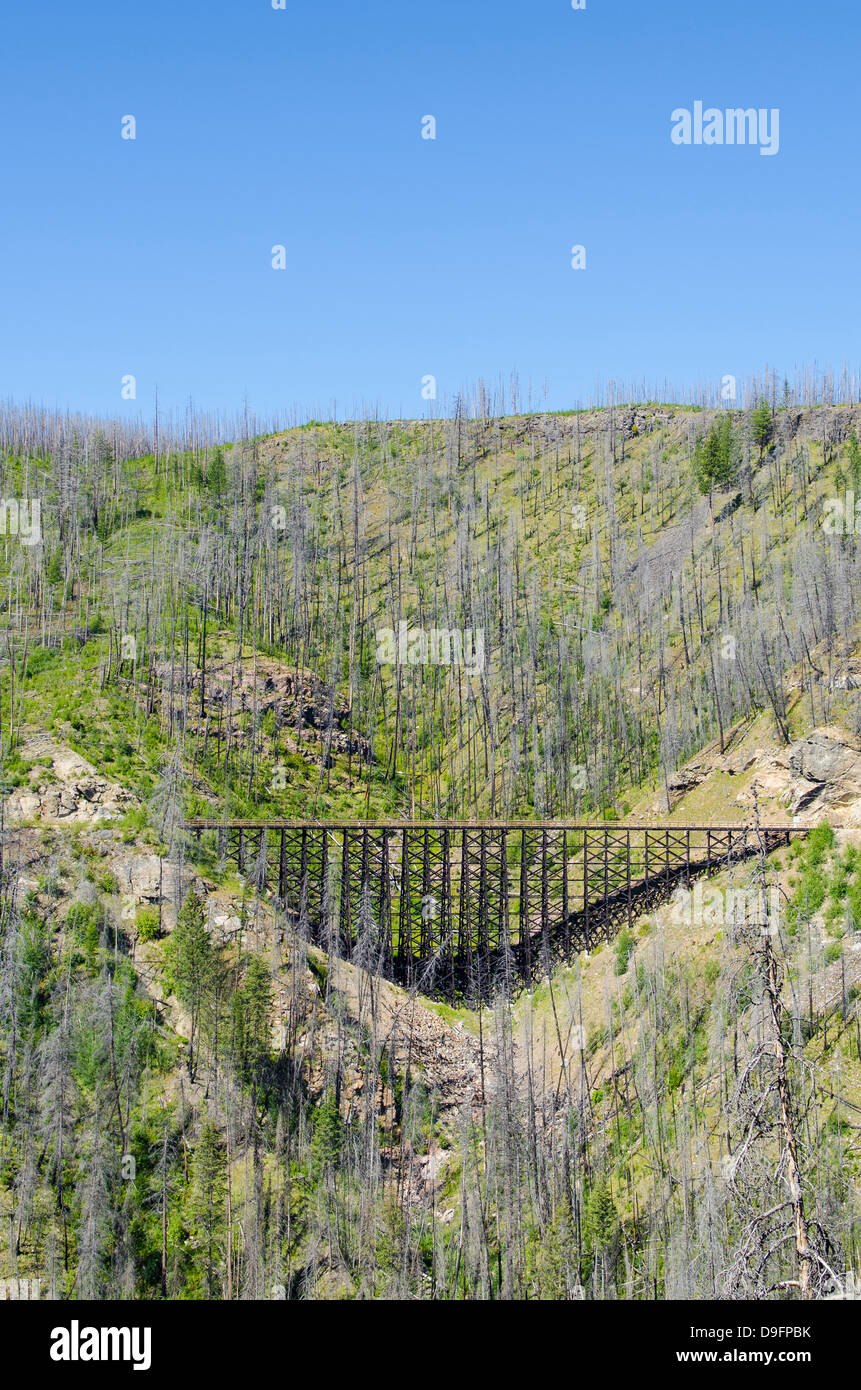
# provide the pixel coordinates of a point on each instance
(197, 1102)
(626, 619)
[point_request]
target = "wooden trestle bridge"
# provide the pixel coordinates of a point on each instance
(460, 909)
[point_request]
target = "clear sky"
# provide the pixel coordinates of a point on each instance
(408, 257)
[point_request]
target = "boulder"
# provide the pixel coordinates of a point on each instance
(824, 772)
(736, 763)
(685, 779)
(824, 756)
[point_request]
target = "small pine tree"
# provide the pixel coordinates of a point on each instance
(761, 426)
(252, 1010)
(328, 1137)
(207, 1201)
(190, 951)
(715, 457)
(556, 1258)
(602, 1218)
(216, 474)
(190, 963)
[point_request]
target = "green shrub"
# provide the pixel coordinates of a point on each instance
(147, 924)
(819, 841)
(39, 659)
(625, 946)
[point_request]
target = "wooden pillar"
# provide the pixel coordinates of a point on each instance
(483, 915)
(324, 867)
(525, 942)
(463, 900)
(303, 867)
(606, 883)
(504, 926)
(586, 889)
(384, 912)
(405, 918)
(566, 925)
(446, 920)
(426, 947)
(545, 905)
(628, 875)
(346, 913)
(282, 869)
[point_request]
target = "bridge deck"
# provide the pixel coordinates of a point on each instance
(476, 825)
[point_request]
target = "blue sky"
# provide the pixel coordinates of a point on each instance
(408, 257)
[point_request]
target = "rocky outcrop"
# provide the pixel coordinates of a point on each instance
(826, 772)
(305, 707)
(815, 778)
(151, 879)
(65, 787)
(686, 779)
(678, 785)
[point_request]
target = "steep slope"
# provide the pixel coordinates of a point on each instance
(196, 1102)
(565, 1144)
(625, 618)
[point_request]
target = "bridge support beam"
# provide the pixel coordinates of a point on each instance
(439, 907)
